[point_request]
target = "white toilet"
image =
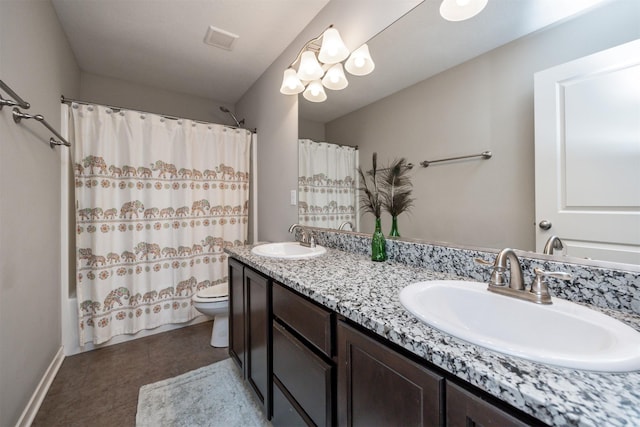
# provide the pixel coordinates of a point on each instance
(214, 301)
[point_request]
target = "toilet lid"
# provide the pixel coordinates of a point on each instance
(215, 291)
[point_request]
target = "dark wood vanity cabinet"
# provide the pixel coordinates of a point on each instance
(380, 387)
(250, 328)
(309, 366)
(303, 371)
(236, 313)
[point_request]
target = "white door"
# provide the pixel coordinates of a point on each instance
(587, 155)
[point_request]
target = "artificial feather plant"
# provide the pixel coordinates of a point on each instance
(396, 188)
(370, 197)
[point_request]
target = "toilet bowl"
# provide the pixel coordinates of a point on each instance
(214, 301)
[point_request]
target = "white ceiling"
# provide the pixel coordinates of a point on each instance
(421, 44)
(159, 43)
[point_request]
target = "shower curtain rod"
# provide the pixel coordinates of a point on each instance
(334, 143)
(69, 101)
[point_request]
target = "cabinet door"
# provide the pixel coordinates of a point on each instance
(465, 409)
(258, 327)
(237, 313)
(379, 387)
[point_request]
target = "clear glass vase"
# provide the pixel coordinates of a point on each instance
(394, 227)
(378, 244)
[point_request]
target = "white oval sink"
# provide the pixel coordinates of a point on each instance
(563, 333)
(287, 250)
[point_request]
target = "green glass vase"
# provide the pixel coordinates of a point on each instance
(378, 244)
(394, 227)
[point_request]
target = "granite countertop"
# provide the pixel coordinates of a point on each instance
(367, 292)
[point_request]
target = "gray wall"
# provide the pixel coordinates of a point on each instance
(39, 68)
(308, 129)
(276, 115)
(483, 104)
(121, 93)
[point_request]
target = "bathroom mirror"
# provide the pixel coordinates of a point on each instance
(460, 105)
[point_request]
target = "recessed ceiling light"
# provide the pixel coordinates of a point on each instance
(220, 38)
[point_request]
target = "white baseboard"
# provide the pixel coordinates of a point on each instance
(29, 413)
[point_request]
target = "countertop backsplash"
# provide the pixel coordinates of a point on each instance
(603, 287)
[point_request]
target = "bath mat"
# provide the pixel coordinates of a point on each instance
(211, 396)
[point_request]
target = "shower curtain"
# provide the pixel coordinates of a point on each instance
(157, 200)
(326, 184)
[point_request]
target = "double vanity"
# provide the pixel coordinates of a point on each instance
(323, 339)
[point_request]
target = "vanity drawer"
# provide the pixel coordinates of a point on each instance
(465, 408)
(304, 375)
(285, 413)
(306, 318)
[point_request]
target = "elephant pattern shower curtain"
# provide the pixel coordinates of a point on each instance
(157, 201)
(326, 184)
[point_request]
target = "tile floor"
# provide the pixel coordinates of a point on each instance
(100, 387)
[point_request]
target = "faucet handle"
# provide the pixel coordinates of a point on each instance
(556, 274)
(483, 262)
(498, 275)
(539, 286)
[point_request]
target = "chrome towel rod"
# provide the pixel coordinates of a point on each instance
(485, 155)
(19, 102)
(19, 115)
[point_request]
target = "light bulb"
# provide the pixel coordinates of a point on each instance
(315, 92)
(360, 62)
(333, 49)
(335, 79)
(291, 84)
(309, 68)
(459, 10)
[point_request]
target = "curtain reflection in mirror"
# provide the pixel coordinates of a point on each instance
(326, 184)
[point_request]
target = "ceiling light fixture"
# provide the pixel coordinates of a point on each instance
(314, 73)
(459, 10)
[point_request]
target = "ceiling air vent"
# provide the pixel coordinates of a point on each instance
(220, 38)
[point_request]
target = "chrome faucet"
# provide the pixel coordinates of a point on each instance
(308, 237)
(344, 224)
(554, 242)
(499, 277)
(514, 286)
